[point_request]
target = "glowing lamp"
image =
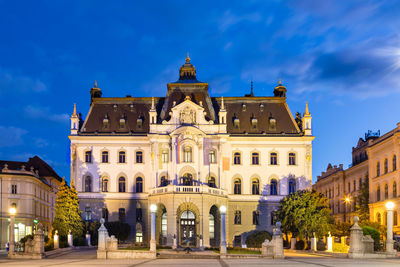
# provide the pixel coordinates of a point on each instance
(153, 207)
(389, 205)
(222, 209)
(12, 211)
(347, 199)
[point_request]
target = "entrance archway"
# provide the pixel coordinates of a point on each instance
(188, 225)
(214, 223)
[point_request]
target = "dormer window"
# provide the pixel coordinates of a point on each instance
(122, 123)
(131, 108)
(244, 108)
(139, 123)
(106, 123)
(236, 123)
(254, 122)
(261, 107)
(115, 107)
(272, 124)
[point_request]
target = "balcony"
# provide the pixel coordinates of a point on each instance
(182, 189)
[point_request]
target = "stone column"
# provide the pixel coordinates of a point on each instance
(293, 243)
(56, 240)
(356, 234)
(313, 244)
(88, 239)
(153, 209)
(11, 240)
(329, 243)
(103, 235)
(222, 249)
(389, 232)
(70, 239)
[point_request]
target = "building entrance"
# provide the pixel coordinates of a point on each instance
(188, 229)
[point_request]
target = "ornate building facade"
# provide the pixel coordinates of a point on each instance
(31, 188)
(189, 153)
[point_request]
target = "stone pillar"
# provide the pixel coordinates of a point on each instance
(389, 231)
(38, 247)
(174, 244)
(56, 240)
(70, 239)
(103, 235)
(313, 244)
(356, 235)
(222, 249)
(329, 244)
(153, 230)
(293, 243)
(278, 242)
(12, 236)
(201, 245)
(88, 239)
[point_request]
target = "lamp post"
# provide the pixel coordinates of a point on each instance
(12, 212)
(153, 209)
(389, 237)
(222, 249)
(347, 201)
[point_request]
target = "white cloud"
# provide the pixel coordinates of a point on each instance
(11, 81)
(11, 136)
(45, 113)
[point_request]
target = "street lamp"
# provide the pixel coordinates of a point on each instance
(389, 236)
(347, 201)
(12, 212)
(153, 209)
(222, 249)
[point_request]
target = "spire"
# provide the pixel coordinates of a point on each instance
(251, 88)
(95, 84)
(280, 82)
(307, 113)
(187, 58)
(74, 114)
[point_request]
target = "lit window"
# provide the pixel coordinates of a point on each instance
(238, 217)
(378, 218)
(104, 157)
(255, 187)
(164, 156)
(212, 156)
(236, 158)
(121, 184)
(139, 185)
(292, 159)
(237, 189)
(88, 156)
(139, 157)
(187, 154)
(211, 226)
(164, 225)
(122, 157)
(274, 158)
(255, 158)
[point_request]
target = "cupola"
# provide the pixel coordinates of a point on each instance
(280, 90)
(95, 92)
(187, 71)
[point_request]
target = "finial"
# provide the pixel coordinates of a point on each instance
(222, 103)
(307, 112)
(152, 102)
(251, 89)
(280, 82)
(187, 58)
(74, 109)
(95, 84)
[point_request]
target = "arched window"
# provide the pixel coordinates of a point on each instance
(163, 181)
(292, 159)
(139, 185)
(378, 169)
(121, 184)
(378, 218)
(212, 157)
(238, 217)
(273, 187)
(187, 154)
(88, 184)
(164, 224)
(274, 158)
(378, 193)
(88, 156)
(386, 191)
(211, 182)
(394, 189)
(255, 187)
(386, 167)
(187, 179)
(394, 163)
(255, 158)
(237, 189)
(211, 220)
(256, 217)
(122, 157)
(104, 184)
(395, 217)
(236, 158)
(292, 186)
(139, 157)
(88, 214)
(104, 157)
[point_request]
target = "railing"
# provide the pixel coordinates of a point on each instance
(188, 189)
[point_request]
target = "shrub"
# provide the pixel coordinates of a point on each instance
(374, 233)
(299, 245)
(286, 244)
(49, 245)
(339, 247)
(25, 238)
(256, 239)
(79, 241)
(321, 246)
(119, 229)
(63, 242)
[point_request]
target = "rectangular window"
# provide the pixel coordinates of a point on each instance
(292, 159)
(238, 217)
(138, 215)
(122, 157)
(88, 156)
(14, 189)
(88, 214)
(164, 156)
(212, 156)
(104, 157)
(256, 216)
(139, 157)
(121, 215)
(139, 237)
(274, 159)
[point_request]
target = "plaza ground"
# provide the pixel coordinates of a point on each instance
(87, 257)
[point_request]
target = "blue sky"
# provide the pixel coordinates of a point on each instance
(343, 57)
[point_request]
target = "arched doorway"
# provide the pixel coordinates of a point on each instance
(214, 222)
(188, 225)
(162, 225)
(187, 179)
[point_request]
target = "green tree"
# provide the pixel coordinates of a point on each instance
(362, 200)
(340, 229)
(67, 213)
(304, 213)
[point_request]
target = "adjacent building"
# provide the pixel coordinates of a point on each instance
(189, 153)
(31, 188)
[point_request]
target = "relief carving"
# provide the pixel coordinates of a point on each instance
(187, 116)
